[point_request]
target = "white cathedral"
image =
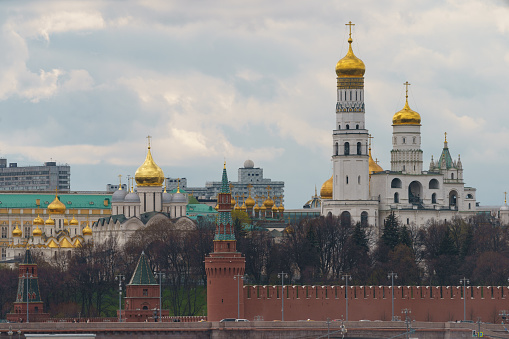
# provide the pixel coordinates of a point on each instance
(360, 190)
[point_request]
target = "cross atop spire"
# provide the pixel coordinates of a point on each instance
(445, 134)
(505, 197)
(268, 191)
(120, 181)
(370, 137)
(406, 85)
(350, 26)
(148, 138)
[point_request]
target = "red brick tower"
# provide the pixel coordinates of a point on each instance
(28, 287)
(142, 293)
(224, 263)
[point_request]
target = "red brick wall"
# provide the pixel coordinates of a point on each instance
(436, 303)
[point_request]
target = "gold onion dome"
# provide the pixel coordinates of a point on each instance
(250, 202)
(38, 220)
(350, 65)
(274, 208)
(268, 203)
(87, 230)
(256, 208)
(326, 190)
(373, 166)
(233, 202)
(66, 222)
(263, 208)
(149, 174)
(281, 208)
(74, 222)
(37, 232)
(243, 207)
(406, 116)
(56, 206)
(17, 232)
(49, 221)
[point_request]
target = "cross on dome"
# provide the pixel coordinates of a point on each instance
(406, 85)
(350, 26)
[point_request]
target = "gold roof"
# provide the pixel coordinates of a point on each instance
(66, 222)
(52, 244)
(149, 174)
(406, 116)
(74, 222)
(37, 232)
(49, 221)
(38, 220)
(250, 202)
(87, 230)
(281, 208)
(256, 208)
(64, 243)
(77, 242)
(350, 65)
(326, 190)
(17, 232)
(268, 203)
(56, 206)
(373, 166)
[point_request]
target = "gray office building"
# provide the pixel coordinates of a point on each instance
(34, 178)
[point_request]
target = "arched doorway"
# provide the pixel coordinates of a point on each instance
(415, 192)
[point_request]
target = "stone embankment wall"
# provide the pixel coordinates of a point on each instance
(427, 303)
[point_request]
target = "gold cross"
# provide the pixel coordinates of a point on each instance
(445, 133)
(505, 197)
(350, 24)
(148, 138)
(120, 181)
(406, 85)
(370, 137)
(268, 191)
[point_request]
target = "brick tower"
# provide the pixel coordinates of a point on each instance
(28, 287)
(224, 263)
(142, 293)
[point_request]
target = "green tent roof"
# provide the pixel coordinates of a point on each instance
(142, 274)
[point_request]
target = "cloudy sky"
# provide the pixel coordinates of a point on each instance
(84, 83)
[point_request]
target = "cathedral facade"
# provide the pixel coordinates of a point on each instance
(361, 191)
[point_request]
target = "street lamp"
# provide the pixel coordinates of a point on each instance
(238, 277)
(464, 281)
(160, 274)
(391, 276)
(282, 276)
(346, 277)
(407, 311)
(120, 278)
(27, 276)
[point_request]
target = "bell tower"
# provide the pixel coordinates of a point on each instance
(224, 263)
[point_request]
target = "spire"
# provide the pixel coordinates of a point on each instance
(143, 274)
(225, 188)
(445, 160)
(224, 228)
(28, 258)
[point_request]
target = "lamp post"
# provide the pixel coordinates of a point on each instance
(27, 276)
(160, 274)
(464, 281)
(407, 311)
(238, 277)
(120, 278)
(346, 277)
(282, 276)
(391, 276)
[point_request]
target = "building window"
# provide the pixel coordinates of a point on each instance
(357, 126)
(347, 126)
(145, 292)
(364, 219)
(396, 183)
(347, 148)
(434, 198)
(359, 148)
(347, 179)
(433, 184)
(359, 179)
(396, 198)
(336, 149)
(4, 232)
(452, 175)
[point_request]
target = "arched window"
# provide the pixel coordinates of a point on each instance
(469, 206)
(396, 183)
(359, 179)
(347, 126)
(434, 198)
(364, 219)
(336, 149)
(357, 126)
(453, 198)
(339, 126)
(433, 184)
(345, 219)
(452, 175)
(470, 196)
(414, 192)
(350, 95)
(404, 140)
(359, 148)
(347, 179)
(396, 198)
(414, 140)
(347, 148)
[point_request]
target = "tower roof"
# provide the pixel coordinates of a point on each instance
(445, 160)
(350, 65)
(225, 188)
(28, 258)
(149, 174)
(143, 274)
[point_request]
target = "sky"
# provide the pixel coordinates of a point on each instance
(84, 82)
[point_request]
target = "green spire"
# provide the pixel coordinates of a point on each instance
(225, 188)
(28, 258)
(143, 274)
(224, 217)
(445, 156)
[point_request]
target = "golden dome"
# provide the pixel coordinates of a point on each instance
(17, 232)
(149, 174)
(66, 222)
(350, 65)
(37, 232)
(263, 208)
(49, 221)
(256, 208)
(237, 207)
(406, 116)
(268, 203)
(373, 166)
(56, 206)
(281, 208)
(250, 202)
(326, 190)
(87, 230)
(233, 202)
(217, 207)
(73, 222)
(274, 208)
(243, 207)
(38, 220)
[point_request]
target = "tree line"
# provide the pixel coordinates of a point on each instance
(314, 251)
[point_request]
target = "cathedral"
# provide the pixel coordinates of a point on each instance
(361, 191)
